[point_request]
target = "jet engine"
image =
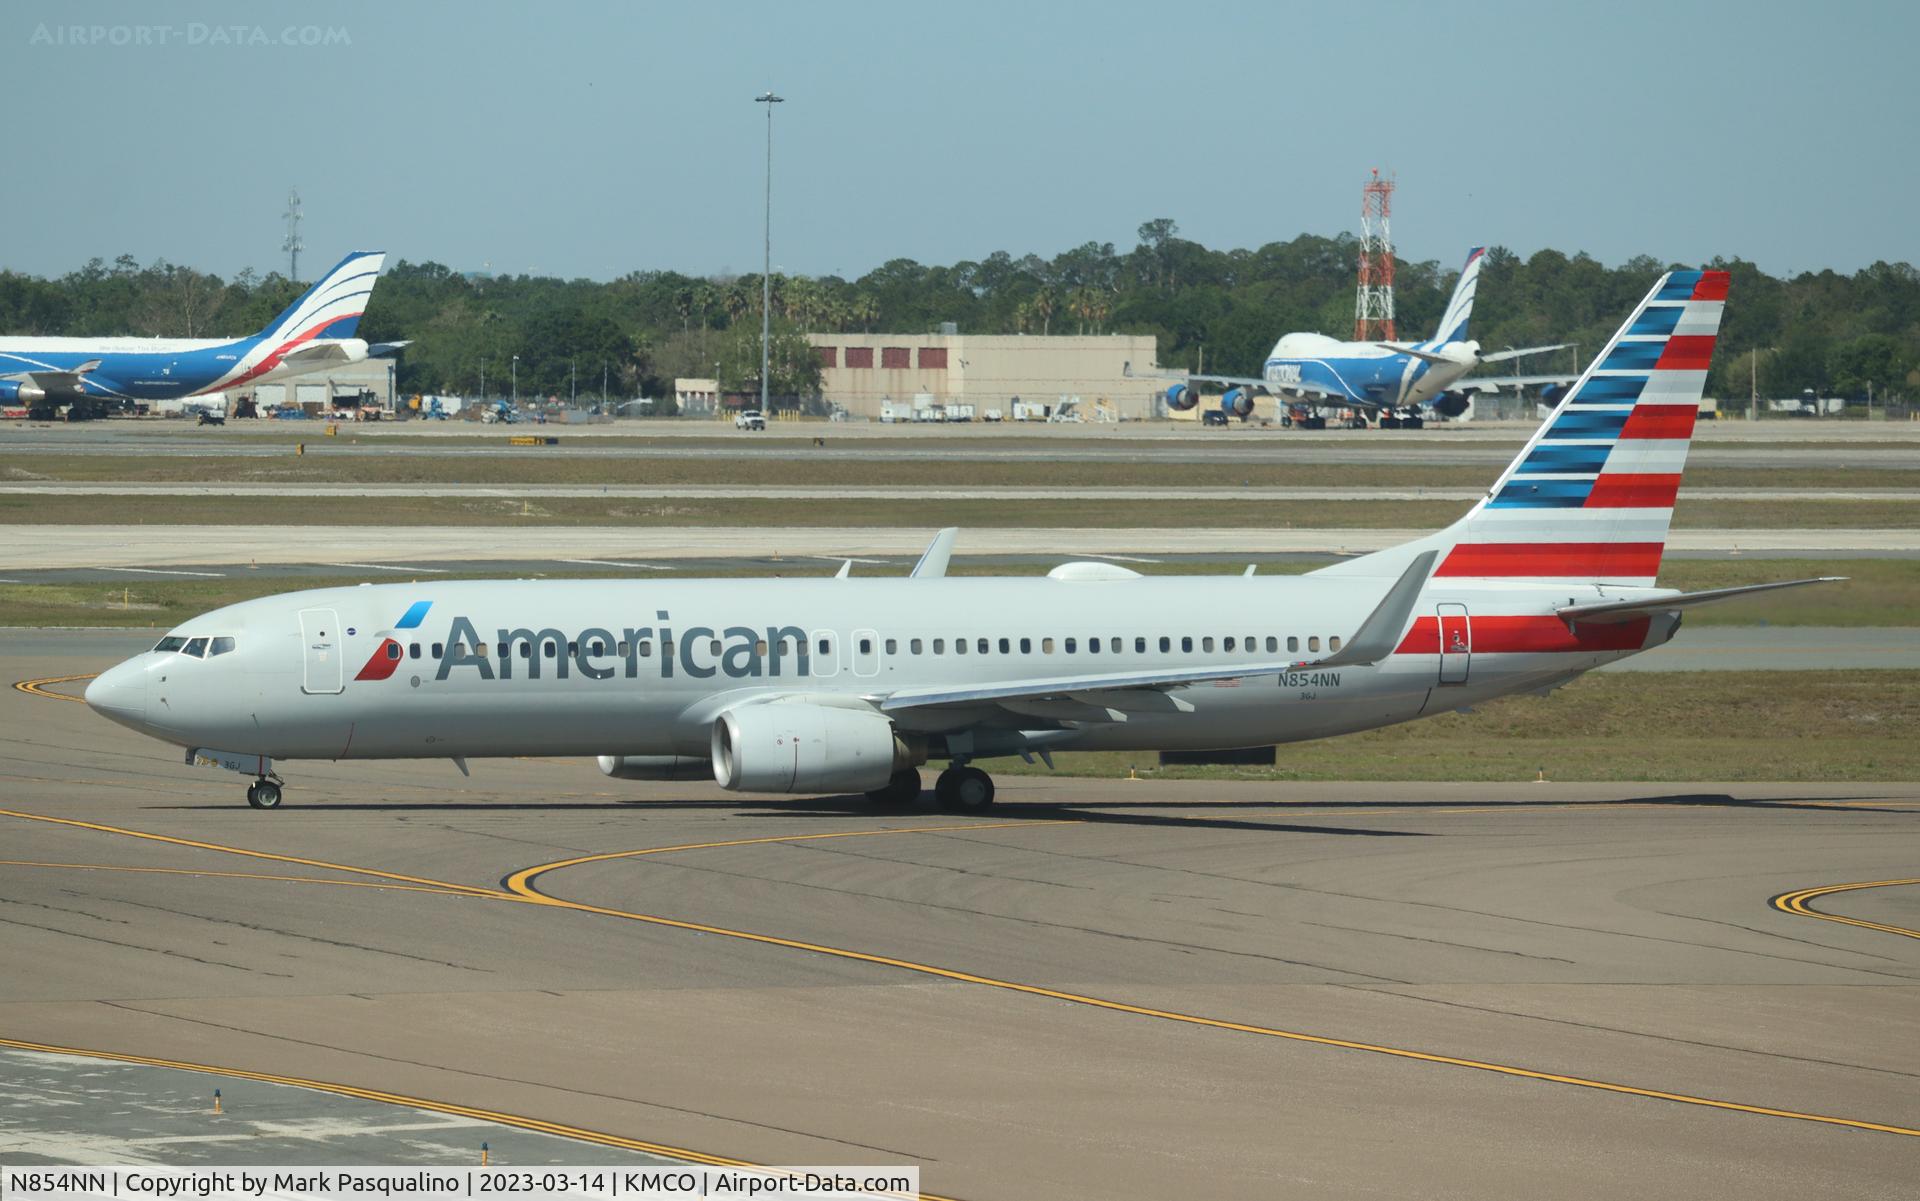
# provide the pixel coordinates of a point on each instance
(1182, 397)
(13, 391)
(792, 746)
(1452, 404)
(1238, 402)
(1553, 394)
(657, 767)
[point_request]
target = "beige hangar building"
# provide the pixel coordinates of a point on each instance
(885, 375)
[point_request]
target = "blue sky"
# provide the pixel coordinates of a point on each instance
(594, 138)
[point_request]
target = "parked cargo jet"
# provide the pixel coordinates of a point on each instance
(314, 333)
(849, 685)
(1399, 383)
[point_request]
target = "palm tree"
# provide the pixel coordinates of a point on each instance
(1042, 305)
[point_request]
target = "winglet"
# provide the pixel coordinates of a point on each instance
(846, 569)
(933, 562)
(1381, 631)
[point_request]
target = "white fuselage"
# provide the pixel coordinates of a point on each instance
(1366, 371)
(644, 668)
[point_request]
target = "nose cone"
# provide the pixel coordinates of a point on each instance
(120, 694)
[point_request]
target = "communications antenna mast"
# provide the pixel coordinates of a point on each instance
(1373, 305)
(292, 244)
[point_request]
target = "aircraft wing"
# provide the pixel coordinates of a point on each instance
(1113, 694)
(1613, 612)
(56, 383)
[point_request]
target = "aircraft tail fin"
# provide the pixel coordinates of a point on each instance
(1590, 497)
(1453, 325)
(331, 308)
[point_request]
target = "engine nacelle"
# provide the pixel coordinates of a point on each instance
(20, 391)
(1553, 394)
(657, 767)
(1452, 404)
(1182, 397)
(1238, 402)
(797, 747)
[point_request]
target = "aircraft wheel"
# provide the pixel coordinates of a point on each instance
(964, 789)
(903, 789)
(264, 794)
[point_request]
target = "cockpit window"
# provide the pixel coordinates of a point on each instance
(219, 646)
(172, 642)
(197, 647)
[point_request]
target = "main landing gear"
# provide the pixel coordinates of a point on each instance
(264, 793)
(963, 789)
(960, 788)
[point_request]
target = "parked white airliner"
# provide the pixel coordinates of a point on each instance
(848, 685)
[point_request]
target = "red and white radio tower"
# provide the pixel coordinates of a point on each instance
(1373, 306)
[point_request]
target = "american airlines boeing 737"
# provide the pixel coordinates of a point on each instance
(315, 332)
(849, 685)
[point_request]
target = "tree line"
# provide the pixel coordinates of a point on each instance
(1834, 333)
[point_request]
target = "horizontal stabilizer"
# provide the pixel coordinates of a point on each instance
(380, 350)
(1423, 355)
(1618, 611)
(1501, 356)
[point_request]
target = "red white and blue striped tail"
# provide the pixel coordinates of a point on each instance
(1590, 498)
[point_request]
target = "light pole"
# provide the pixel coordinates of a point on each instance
(573, 383)
(1753, 382)
(516, 381)
(766, 269)
(483, 381)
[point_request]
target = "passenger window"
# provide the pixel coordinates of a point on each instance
(940, 646)
(172, 642)
(503, 651)
(393, 651)
(1093, 646)
(1313, 642)
(713, 647)
(413, 649)
(1333, 643)
(1070, 646)
(1166, 643)
(1006, 647)
(1293, 644)
(1226, 644)
(1186, 644)
(1046, 646)
(666, 648)
(1273, 644)
(981, 646)
(526, 650)
(597, 647)
(220, 646)
(1206, 644)
(438, 649)
(1026, 645)
(893, 646)
(826, 647)
(959, 646)
(914, 645)
(573, 650)
(197, 647)
(645, 649)
(760, 647)
(623, 648)
(1114, 646)
(1140, 646)
(866, 646)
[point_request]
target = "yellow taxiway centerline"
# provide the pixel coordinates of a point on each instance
(1796, 902)
(521, 885)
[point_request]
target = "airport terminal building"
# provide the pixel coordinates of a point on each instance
(888, 376)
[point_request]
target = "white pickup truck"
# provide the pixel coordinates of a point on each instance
(750, 419)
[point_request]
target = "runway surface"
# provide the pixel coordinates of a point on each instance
(870, 492)
(1099, 989)
(44, 547)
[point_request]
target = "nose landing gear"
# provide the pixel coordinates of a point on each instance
(264, 793)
